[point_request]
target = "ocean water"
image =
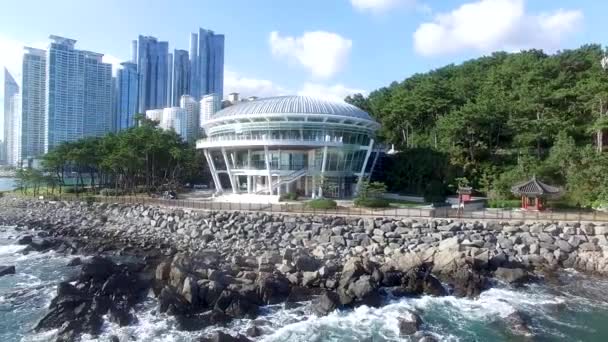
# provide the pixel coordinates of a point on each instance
(573, 309)
(7, 184)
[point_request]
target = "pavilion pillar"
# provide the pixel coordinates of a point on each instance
(229, 170)
(323, 170)
(214, 174)
(362, 173)
(267, 159)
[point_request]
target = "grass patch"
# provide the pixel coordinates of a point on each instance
(407, 204)
(372, 202)
(322, 203)
(290, 196)
(504, 204)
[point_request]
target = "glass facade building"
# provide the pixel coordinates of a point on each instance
(289, 144)
(180, 82)
(33, 103)
(191, 108)
(207, 65)
(78, 93)
(153, 68)
(11, 88)
(127, 95)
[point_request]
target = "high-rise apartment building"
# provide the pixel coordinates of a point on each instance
(127, 95)
(78, 93)
(98, 119)
(11, 88)
(12, 120)
(155, 115)
(209, 105)
(191, 108)
(208, 64)
(174, 118)
(153, 68)
(180, 82)
(33, 103)
(14, 157)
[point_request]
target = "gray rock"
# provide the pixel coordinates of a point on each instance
(409, 323)
(326, 303)
(515, 276)
(588, 247)
(5, 270)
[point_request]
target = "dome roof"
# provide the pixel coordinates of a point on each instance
(292, 105)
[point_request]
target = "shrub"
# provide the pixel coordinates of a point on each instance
(1, 194)
(111, 192)
(322, 203)
(89, 199)
(74, 190)
(372, 202)
(290, 196)
(434, 192)
(505, 204)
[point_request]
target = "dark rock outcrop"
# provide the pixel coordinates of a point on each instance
(5, 270)
(103, 287)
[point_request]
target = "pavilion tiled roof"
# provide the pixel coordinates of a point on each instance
(534, 187)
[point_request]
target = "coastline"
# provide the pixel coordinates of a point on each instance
(210, 267)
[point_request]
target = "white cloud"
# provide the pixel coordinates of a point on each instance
(323, 53)
(115, 61)
(380, 6)
(489, 25)
(236, 83)
(335, 92)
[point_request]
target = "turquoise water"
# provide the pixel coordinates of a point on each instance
(576, 309)
(7, 184)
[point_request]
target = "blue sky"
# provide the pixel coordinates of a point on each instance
(321, 47)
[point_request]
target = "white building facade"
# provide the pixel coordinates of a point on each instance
(284, 144)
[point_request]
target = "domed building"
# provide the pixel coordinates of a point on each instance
(289, 144)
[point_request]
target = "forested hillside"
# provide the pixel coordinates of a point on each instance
(496, 120)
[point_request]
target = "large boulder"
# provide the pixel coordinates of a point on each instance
(517, 325)
(4, 270)
(326, 303)
(220, 336)
(272, 288)
(97, 269)
(306, 263)
(409, 323)
(513, 276)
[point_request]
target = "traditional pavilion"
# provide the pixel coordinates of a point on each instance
(534, 193)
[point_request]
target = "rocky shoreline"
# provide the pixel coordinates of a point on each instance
(206, 268)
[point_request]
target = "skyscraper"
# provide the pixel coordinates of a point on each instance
(14, 157)
(153, 68)
(78, 93)
(127, 95)
(208, 64)
(180, 83)
(33, 103)
(12, 120)
(194, 76)
(189, 104)
(11, 88)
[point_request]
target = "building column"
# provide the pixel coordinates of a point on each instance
(323, 170)
(267, 159)
(214, 175)
(229, 170)
(306, 185)
(362, 173)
